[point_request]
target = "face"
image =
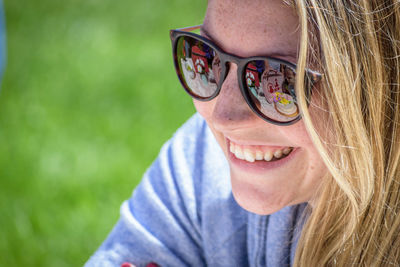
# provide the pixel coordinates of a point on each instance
(271, 166)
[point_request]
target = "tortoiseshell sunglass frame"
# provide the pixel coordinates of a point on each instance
(312, 77)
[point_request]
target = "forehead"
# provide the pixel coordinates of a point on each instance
(253, 27)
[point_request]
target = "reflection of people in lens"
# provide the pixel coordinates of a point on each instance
(200, 63)
(253, 82)
(271, 82)
(187, 63)
(290, 80)
(282, 95)
(215, 74)
(198, 75)
(188, 69)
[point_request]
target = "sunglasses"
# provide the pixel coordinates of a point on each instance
(266, 83)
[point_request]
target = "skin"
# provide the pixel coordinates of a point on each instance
(259, 28)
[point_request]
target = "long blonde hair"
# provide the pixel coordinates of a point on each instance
(355, 220)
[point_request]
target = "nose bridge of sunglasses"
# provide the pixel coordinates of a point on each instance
(228, 69)
(230, 62)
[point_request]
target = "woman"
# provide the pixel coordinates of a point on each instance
(319, 187)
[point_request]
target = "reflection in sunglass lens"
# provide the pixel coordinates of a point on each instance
(199, 67)
(270, 85)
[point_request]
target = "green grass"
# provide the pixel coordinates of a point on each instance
(88, 97)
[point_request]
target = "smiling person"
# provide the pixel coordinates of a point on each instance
(293, 156)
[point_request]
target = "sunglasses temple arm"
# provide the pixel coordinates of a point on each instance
(189, 29)
(314, 76)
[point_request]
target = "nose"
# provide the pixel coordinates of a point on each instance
(231, 110)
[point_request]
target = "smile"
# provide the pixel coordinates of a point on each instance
(259, 153)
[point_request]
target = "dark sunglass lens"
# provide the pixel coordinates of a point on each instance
(199, 67)
(270, 85)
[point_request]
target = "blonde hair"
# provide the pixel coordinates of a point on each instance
(355, 218)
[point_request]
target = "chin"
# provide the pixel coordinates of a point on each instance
(262, 202)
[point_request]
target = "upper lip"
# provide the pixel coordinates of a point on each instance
(254, 143)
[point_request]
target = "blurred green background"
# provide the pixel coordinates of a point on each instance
(88, 97)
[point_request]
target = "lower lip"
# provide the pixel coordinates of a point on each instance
(260, 165)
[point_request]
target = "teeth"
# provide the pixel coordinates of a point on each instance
(287, 150)
(268, 156)
(249, 156)
(232, 148)
(259, 155)
(239, 152)
(278, 153)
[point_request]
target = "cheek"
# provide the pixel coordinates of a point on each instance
(204, 108)
(298, 135)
